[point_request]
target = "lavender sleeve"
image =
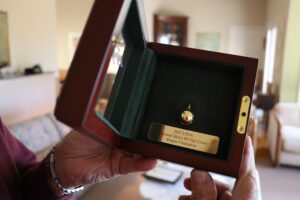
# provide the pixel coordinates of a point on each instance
(32, 175)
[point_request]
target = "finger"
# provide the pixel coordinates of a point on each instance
(247, 183)
(131, 164)
(226, 195)
(203, 186)
(221, 187)
(184, 197)
(248, 162)
(187, 184)
(144, 164)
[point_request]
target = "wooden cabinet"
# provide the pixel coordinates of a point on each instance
(170, 30)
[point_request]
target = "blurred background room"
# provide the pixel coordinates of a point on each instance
(38, 40)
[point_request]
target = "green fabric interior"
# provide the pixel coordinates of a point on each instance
(212, 89)
(132, 77)
(150, 87)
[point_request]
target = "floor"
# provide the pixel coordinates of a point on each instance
(276, 183)
(281, 183)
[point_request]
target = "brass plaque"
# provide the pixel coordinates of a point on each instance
(184, 138)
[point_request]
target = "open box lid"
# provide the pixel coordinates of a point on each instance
(107, 21)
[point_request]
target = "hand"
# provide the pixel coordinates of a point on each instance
(80, 160)
(247, 186)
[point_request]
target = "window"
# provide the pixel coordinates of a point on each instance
(269, 58)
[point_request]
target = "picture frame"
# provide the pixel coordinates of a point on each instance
(209, 41)
(4, 40)
(171, 30)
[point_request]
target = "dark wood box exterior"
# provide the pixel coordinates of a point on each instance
(75, 106)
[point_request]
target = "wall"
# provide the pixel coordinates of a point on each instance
(27, 97)
(204, 16)
(32, 32)
(210, 16)
(71, 17)
(289, 90)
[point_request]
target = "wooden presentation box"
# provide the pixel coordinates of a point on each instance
(135, 95)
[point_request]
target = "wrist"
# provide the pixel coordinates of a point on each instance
(61, 172)
(59, 182)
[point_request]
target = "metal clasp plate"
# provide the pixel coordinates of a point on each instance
(243, 116)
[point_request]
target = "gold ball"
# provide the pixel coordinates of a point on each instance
(187, 117)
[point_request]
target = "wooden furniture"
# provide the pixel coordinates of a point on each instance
(171, 29)
(284, 134)
(266, 102)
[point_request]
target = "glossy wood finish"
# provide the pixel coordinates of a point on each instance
(77, 102)
(229, 167)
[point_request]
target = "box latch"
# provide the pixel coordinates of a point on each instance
(244, 113)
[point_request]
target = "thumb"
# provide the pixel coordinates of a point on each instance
(129, 165)
(203, 186)
(248, 162)
(248, 184)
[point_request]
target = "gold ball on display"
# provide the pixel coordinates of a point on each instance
(187, 116)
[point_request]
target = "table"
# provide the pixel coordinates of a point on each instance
(154, 190)
(136, 187)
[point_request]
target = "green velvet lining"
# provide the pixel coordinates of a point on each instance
(211, 88)
(142, 81)
(131, 70)
(157, 88)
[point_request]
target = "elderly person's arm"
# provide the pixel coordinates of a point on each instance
(21, 176)
(79, 160)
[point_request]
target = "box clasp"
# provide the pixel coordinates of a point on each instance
(243, 116)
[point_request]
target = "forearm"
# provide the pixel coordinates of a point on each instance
(23, 172)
